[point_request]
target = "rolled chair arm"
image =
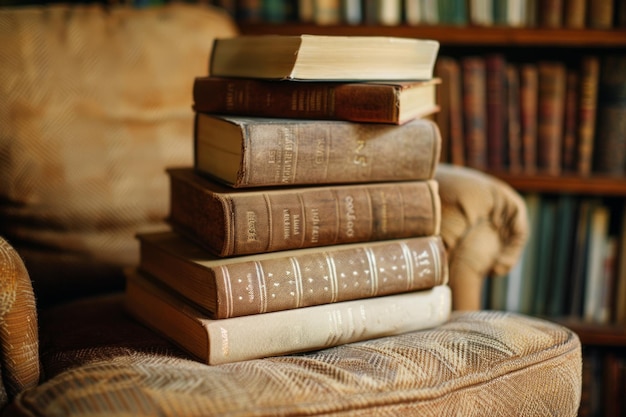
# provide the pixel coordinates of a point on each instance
(19, 342)
(484, 227)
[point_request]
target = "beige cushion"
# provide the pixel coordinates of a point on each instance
(101, 362)
(96, 102)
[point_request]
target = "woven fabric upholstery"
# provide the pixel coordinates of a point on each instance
(100, 362)
(19, 341)
(96, 102)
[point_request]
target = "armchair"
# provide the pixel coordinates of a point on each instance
(84, 143)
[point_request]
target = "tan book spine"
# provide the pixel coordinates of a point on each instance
(359, 102)
(237, 222)
(229, 340)
(587, 108)
(253, 284)
(268, 152)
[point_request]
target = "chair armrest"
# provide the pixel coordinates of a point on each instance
(19, 339)
(484, 228)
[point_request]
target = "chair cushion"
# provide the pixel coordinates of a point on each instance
(96, 103)
(98, 361)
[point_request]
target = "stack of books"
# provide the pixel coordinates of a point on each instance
(311, 217)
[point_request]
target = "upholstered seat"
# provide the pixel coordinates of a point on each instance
(96, 103)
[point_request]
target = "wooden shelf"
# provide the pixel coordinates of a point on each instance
(458, 35)
(594, 334)
(603, 186)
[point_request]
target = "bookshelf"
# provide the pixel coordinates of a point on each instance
(599, 339)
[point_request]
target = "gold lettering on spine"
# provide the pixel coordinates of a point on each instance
(230, 96)
(288, 151)
(225, 344)
(350, 215)
(251, 232)
(315, 225)
(286, 224)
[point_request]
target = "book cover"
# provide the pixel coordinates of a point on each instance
(598, 235)
(252, 152)
(255, 284)
(319, 57)
(374, 102)
(232, 221)
(283, 332)
(570, 122)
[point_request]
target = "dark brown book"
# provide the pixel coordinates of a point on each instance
(218, 341)
(495, 67)
(230, 221)
(475, 111)
(551, 112)
(610, 145)
(252, 152)
(601, 14)
(262, 283)
(587, 112)
(448, 69)
(376, 102)
(575, 14)
(570, 122)
(551, 13)
(513, 127)
(529, 92)
(320, 57)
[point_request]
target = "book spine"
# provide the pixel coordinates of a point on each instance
(570, 122)
(358, 102)
(475, 111)
(495, 67)
(255, 222)
(529, 81)
(323, 277)
(308, 328)
(552, 81)
(587, 108)
(293, 153)
(514, 136)
(610, 145)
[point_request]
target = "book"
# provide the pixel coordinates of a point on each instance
(450, 118)
(319, 57)
(376, 102)
(551, 13)
(587, 108)
(230, 221)
(598, 235)
(252, 152)
(496, 104)
(545, 254)
(575, 14)
(513, 125)
(475, 111)
(610, 145)
(256, 284)
(601, 14)
(529, 98)
(550, 117)
(236, 339)
(569, 162)
(327, 12)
